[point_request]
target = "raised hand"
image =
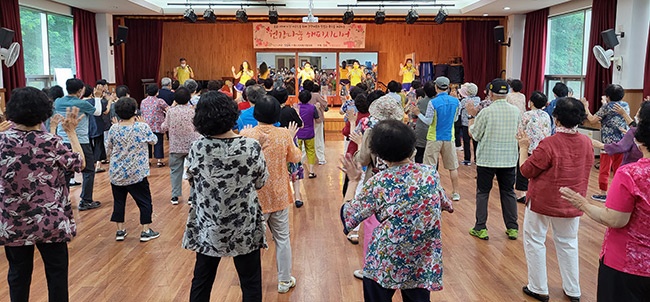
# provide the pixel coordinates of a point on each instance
(98, 92)
(247, 127)
(401, 65)
(232, 69)
(351, 168)
(585, 102)
(293, 129)
(71, 120)
(414, 109)
(356, 137)
(56, 119)
(351, 115)
(139, 119)
(523, 139)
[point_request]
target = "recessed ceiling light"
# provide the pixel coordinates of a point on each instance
(485, 15)
(507, 8)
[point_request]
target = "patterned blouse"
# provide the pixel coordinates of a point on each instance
(406, 248)
(179, 123)
(127, 146)
(279, 150)
(226, 218)
(611, 122)
(537, 125)
(35, 206)
(153, 112)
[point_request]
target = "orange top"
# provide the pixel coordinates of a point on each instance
(279, 149)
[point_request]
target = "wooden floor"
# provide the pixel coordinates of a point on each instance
(323, 260)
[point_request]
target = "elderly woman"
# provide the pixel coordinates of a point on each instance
(226, 218)
(36, 194)
(153, 111)
(562, 160)
(405, 252)
(624, 273)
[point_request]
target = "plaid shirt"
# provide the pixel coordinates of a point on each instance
(495, 128)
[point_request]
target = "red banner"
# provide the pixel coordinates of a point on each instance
(305, 35)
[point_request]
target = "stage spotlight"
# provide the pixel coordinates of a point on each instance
(441, 16)
(380, 16)
(273, 16)
(241, 16)
(209, 16)
(348, 17)
(190, 16)
(412, 16)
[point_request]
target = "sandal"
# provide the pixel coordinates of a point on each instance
(543, 298)
(353, 238)
(312, 175)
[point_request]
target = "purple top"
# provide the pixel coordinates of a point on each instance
(631, 152)
(35, 206)
(308, 113)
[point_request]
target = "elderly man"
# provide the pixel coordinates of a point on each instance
(495, 128)
(165, 91)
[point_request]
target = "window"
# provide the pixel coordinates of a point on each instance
(48, 44)
(567, 50)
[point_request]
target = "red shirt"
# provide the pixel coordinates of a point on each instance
(352, 146)
(243, 106)
(225, 90)
(561, 160)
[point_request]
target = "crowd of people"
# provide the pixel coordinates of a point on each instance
(244, 152)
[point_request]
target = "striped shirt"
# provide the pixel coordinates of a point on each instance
(495, 128)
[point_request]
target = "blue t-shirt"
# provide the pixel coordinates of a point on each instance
(86, 110)
(446, 111)
(549, 109)
(246, 118)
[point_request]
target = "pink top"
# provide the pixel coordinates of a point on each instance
(153, 112)
(627, 249)
(179, 123)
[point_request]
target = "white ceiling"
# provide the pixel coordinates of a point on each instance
(300, 7)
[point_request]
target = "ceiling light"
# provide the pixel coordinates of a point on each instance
(348, 17)
(485, 15)
(273, 16)
(441, 16)
(190, 16)
(241, 16)
(380, 17)
(412, 16)
(209, 16)
(506, 8)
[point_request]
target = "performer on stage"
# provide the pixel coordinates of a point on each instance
(263, 72)
(408, 73)
(356, 74)
(307, 73)
(245, 73)
(183, 72)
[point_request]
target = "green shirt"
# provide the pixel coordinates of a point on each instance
(495, 128)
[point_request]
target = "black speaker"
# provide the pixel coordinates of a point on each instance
(609, 38)
(122, 33)
(499, 34)
(456, 74)
(6, 37)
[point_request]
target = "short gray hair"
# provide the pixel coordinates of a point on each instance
(254, 92)
(191, 85)
(165, 82)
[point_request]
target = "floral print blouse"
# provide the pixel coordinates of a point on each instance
(153, 112)
(35, 207)
(537, 125)
(279, 150)
(406, 247)
(611, 122)
(179, 123)
(226, 218)
(127, 146)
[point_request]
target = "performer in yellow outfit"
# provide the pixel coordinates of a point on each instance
(356, 74)
(183, 72)
(408, 73)
(307, 73)
(245, 73)
(263, 71)
(344, 73)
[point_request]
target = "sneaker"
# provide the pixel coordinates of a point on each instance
(88, 205)
(189, 201)
(148, 235)
(512, 234)
(466, 163)
(601, 198)
(480, 234)
(522, 199)
(538, 297)
(285, 286)
(174, 200)
(74, 183)
(353, 237)
(572, 298)
(120, 235)
(299, 203)
(358, 274)
(455, 197)
(322, 162)
(459, 148)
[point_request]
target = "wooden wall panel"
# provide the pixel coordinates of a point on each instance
(211, 49)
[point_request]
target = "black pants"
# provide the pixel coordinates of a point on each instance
(373, 292)
(615, 286)
(522, 182)
(467, 149)
(142, 196)
(249, 270)
(457, 134)
(419, 154)
(99, 150)
(346, 181)
(158, 148)
(88, 173)
(506, 180)
(21, 265)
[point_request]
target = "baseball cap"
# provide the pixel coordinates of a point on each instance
(442, 82)
(499, 86)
